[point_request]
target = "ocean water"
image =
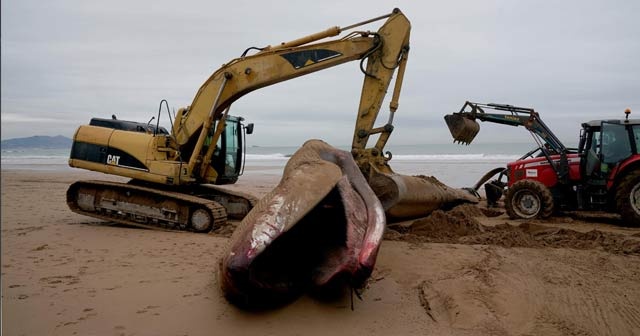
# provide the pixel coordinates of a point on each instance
(35, 158)
(455, 165)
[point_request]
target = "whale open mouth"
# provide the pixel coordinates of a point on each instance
(319, 228)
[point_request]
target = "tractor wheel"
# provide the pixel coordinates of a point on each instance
(628, 198)
(528, 199)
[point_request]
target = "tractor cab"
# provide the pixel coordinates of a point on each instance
(606, 144)
(608, 150)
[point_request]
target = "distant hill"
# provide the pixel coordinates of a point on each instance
(37, 141)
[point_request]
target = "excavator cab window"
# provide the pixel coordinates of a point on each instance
(227, 157)
(231, 155)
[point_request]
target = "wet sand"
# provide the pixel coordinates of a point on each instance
(67, 274)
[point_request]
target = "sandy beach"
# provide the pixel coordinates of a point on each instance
(464, 272)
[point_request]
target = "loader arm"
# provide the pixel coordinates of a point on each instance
(385, 52)
(463, 127)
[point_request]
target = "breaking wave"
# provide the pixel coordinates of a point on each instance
(409, 157)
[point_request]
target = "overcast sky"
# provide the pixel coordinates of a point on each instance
(66, 61)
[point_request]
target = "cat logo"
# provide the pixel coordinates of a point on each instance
(113, 159)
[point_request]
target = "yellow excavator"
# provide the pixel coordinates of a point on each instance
(173, 173)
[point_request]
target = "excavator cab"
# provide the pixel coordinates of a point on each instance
(228, 157)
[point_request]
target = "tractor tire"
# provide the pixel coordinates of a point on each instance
(527, 199)
(628, 199)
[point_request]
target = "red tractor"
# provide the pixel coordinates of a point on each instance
(602, 174)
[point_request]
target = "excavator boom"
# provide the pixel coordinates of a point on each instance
(385, 50)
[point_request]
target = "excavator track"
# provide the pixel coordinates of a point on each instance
(200, 210)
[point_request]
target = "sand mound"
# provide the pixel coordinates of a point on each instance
(446, 226)
(460, 225)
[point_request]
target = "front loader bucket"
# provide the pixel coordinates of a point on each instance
(462, 129)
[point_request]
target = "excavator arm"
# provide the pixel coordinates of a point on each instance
(385, 52)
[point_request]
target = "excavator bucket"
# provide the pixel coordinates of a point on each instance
(462, 129)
